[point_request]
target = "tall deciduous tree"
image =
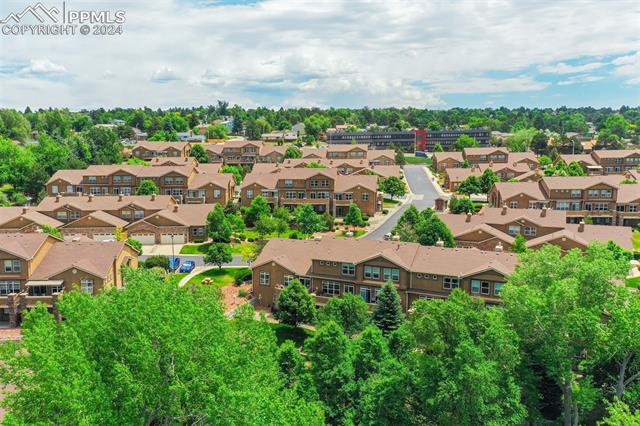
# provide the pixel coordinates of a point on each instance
(393, 186)
(147, 187)
(199, 153)
(218, 227)
(308, 220)
(354, 216)
(218, 254)
(295, 305)
(349, 311)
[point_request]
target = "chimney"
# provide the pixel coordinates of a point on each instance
(581, 226)
(499, 248)
(504, 209)
(186, 159)
(543, 212)
(58, 198)
(175, 208)
(439, 243)
(24, 210)
(490, 163)
(120, 197)
(468, 217)
(153, 197)
(90, 197)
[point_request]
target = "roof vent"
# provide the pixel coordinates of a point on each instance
(395, 238)
(153, 197)
(581, 226)
(58, 198)
(75, 239)
(90, 198)
(504, 209)
(543, 212)
(120, 197)
(468, 217)
(499, 248)
(24, 210)
(175, 208)
(439, 243)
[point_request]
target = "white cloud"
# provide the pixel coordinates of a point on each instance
(319, 53)
(628, 67)
(580, 79)
(43, 67)
(563, 68)
(163, 74)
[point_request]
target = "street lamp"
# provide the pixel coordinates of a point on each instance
(173, 255)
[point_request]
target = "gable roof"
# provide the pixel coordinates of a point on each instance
(614, 153)
(101, 216)
(160, 145)
(8, 214)
(74, 176)
(580, 182)
(485, 150)
(105, 202)
(347, 147)
(184, 214)
(511, 189)
(454, 155)
(23, 245)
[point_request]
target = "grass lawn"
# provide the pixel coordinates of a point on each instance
(388, 202)
(253, 234)
(288, 332)
(417, 160)
(221, 277)
(636, 240)
(633, 282)
(174, 278)
(236, 249)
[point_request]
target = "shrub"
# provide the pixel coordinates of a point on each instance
(251, 240)
(241, 237)
(157, 262)
(243, 293)
(294, 236)
(385, 211)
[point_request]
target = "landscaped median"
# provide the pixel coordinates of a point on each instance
(236, 249)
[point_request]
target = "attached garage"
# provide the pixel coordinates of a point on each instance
(145, 239)
(104, 237)
(177, 239)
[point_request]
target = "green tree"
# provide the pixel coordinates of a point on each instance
(465, 141)
(438, 148)
(388, 314)
(307, 220)
(218, 131)
(114, 361)
(218, 226)
(332, 372)
(349, 311)
(218, 254)
(393, 186)
(158, 261)
(236, 171)
(199, 153)
(539, 143)
(519, 244)
(470, 185)
(135, 244)
(292, 152)
(369, 353)
(258, 208)
(461, 205)
(295, 305)
(266, 225)
(291, 362)
(432, 229)
(354, 216)
(520, 141)
(105, 146)
(52, 231)
(399, 156)
(487, 180)
(147, 187)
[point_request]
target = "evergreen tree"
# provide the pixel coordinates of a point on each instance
(519, 244)
(388, 315)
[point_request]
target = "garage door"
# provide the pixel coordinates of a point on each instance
(104, 237)
(177, 238)
(145, 239)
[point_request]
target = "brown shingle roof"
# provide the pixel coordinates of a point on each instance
(95, 257)
(485, 150)
(23, 245)
(74, 177)
(103, 217)
(222, 180)
(454, 155)
(106, 202)
(7, 214)
(297, 255)
(185, 214)
(347, 147)
(578, 158)
(580, 182)
(614, 153)
(511, 189)
(159, 145)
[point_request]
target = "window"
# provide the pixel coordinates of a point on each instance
(306, 281)
(249, 193)
(330, 288)
(70, 189)
(349, 288)
(126, 214)
(54, 189)
(514, 229)
(179, 180)
(62, 215)
(8, 287)
(513, 204)
(594, 193)
(365, 293)
(377, 293)
(365, 196)
(530, 231)
(216, 193)
(168, 180)
(497, 288)
(576, 193)
(475, 286)
(12, 266)
(117, 179)
(287, 280)
(93, 179)
(264, 278)
(562, 205)
(450, 283)
(372, 272)
(86, 285)
(138, 214)
(348, 269)
(392, 274)
(289, 183)
(126, 178)
(197, 232)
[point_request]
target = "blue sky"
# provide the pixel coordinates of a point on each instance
(343, 53)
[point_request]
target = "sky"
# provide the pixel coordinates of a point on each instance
(293, 53)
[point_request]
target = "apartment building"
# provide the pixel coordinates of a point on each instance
(604, 199)
(605, 162)
(37, 268)
(406, 140)
(325, 189)
(147, 150)
(453, 177)
(188, 183)
(332, 267)
(479, 156)
(446, 138)
(344, 167)
(493, 227)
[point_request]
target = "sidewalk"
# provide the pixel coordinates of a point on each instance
(161, 249)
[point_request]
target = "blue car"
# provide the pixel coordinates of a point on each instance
(188, 266)
(174, 263)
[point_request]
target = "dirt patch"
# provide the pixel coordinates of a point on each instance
(13, 333)
(231, 295)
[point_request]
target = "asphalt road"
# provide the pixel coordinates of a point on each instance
(424, 195)
(199, 259)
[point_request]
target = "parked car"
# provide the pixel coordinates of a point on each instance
(174, 263)
(387, 236)
(188, 266)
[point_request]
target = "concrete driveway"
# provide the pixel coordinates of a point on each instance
(424, 194)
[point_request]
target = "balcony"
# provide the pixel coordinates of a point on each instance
(194, 200)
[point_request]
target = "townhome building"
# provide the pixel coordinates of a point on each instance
(344, 167)
(479, 156)
(605, 162)
(453, 177)
(187, 183)
(498, 227)
(332, 267)
(24, 219)
(38, 268)
(605, 200)
(147, 150)
(325, 189)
